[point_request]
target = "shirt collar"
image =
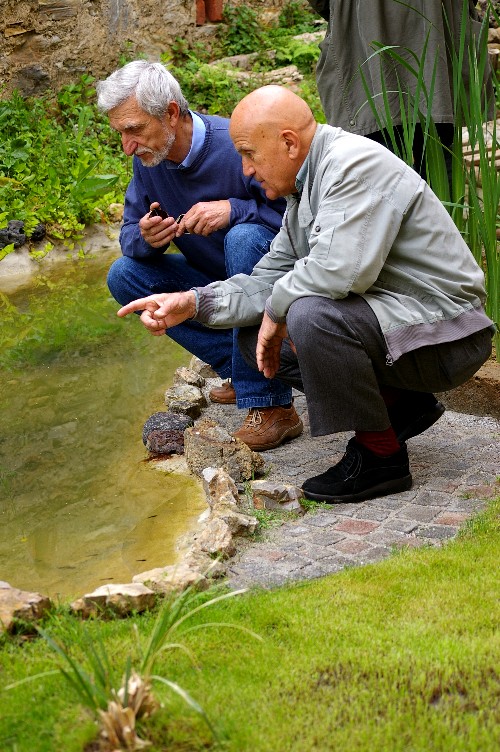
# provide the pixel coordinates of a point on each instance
(302, 176)
(197, 140)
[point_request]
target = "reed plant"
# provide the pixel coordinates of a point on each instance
(472, 195)
(119, 693)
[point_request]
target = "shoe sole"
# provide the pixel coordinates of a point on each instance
(383, 489)
(423, 423)
(292, 433)
(222, 401)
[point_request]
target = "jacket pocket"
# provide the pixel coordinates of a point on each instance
(322, 231)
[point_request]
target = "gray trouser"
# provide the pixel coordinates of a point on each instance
(341, 363)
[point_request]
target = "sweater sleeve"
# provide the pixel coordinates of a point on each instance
(257, 208)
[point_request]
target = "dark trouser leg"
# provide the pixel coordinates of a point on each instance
(341, 363)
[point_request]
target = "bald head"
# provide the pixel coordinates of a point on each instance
(272, 128)
(275, 107)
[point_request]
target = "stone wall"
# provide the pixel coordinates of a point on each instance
(48, 43)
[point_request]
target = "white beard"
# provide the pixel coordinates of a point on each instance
(157, 156)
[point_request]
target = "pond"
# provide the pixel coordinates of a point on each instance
(79, 504)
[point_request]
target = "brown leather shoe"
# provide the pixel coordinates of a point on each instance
(268, 427)
(225, 394)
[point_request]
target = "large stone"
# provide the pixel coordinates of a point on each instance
(185, 399)
(208, 445)
(220, 489)
(216, 538)
(19, 607)
(222, 497)
(188, 376)
(276, 496)
(163, 432)
(205, 370)
(174, 578)
(120, 599)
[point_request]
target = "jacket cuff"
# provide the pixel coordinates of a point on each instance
(205, 304)
(272, 315)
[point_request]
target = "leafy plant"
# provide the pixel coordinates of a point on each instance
(118, 705)
(211, 89)
(296, 52)
(241, 31)
(296, 15)
(51, 156)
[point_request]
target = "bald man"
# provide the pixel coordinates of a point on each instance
(368, 300)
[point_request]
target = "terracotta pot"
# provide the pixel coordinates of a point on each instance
(200, 12)
(213, 10)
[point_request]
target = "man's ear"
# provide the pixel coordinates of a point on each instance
(172, 114)
(292, 142)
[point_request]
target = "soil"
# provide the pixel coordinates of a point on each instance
(478, 396)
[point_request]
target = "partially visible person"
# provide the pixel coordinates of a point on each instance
(429, 29)
(368, 301)
(185, 165)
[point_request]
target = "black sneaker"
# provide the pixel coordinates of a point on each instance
(413, 414)
(361, 475)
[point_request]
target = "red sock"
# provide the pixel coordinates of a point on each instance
(381, 443)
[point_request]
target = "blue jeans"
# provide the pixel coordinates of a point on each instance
(244, 245)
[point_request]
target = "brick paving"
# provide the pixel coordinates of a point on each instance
(455, 467)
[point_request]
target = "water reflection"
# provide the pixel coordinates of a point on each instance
(78, 505)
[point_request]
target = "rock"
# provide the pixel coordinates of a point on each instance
(202, 368)
(185, 399)
(120, 599)
(222, 497)
(220, 489)
(13, 233)
(18, 606)
(276, 496)
(188, 376)
(209, 445)
(32, 80)
(163, 432)
(38, 232)
(216, 538)
(174, 578)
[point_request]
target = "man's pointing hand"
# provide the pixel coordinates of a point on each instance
(162, 311)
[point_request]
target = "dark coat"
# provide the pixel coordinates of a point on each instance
(428, 28)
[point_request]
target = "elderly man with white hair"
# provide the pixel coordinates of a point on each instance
(188, 188)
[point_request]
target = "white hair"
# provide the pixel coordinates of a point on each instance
(151, 84)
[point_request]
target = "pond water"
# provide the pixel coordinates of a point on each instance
(79, 504)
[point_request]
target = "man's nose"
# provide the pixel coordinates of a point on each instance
(129, 145)
(247, 166)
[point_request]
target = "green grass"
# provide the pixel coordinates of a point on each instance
(400, 655)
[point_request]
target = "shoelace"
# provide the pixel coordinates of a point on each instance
(349, 464)
(254, 418)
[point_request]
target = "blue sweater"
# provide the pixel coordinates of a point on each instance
(215, 174)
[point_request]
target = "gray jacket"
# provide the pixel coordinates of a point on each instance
(354, 25)
(366, 223)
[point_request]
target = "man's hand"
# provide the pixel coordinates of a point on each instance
(205, 217)
(269, 342)
(159, 312)
(157, 231)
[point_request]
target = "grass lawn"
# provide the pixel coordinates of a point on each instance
(399, 655)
